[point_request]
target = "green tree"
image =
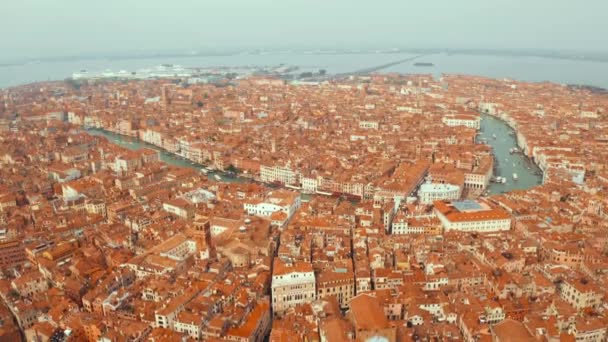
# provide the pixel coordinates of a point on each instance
(73, 83)
(306, 74)
(232, 168)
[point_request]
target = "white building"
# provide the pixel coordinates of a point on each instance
(429, 192)
(472, 216)
(581, 293)
(292, 284)
(284, 175)
(310, 184)
(471, 121)
(368, 124)
(152, 137)
(277, 201)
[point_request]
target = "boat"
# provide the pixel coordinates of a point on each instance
(204, 170)
(494, 136)
(424, 64)
(503, 180)
(514, 176)
(217, 177)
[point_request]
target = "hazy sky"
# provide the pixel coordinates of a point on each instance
(42, 28)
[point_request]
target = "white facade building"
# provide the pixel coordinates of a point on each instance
(284, 175)
(472, 216)
(471, 121)
(429, 192)
(292, 284)
(277, 201)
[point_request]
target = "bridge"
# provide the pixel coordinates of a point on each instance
(374, 68)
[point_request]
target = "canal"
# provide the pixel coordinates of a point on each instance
(494, 132)
(132, 143)
(501, 137)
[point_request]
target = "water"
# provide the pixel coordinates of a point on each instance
(506, 163)
(166, 157)
(520, 68)
(533, 69)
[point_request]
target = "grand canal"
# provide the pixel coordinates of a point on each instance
(132, 143)
(493, 131)
(501, 137)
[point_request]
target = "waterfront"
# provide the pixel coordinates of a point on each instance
(524, 68)
(133, 143)
(501, 137)
(506, 163)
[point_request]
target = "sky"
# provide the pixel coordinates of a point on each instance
(48, 28)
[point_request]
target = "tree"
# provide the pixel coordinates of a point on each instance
(322, 72)
(233, 169)
(306, 74)
(73, 83)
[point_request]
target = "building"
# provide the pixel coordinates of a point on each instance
(510, 330)
(284, 175)
(30, 284)
(256, 326)
(471, 121)
(179, 207)
(472, 216)
(292, 284)
(338, 282)
(7, 201)
(283, 201)
(171, 255)
(370, 322)
(12, 254)
(588, 329)
(429, 192)
(581, 293)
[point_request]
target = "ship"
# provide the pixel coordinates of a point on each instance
(514, 176)
(498, 179)
(424, 64)
(217, 177)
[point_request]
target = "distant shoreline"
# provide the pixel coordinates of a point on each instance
(600, 57)
(482, 63)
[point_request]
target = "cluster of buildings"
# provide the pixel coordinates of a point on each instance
(360, 214)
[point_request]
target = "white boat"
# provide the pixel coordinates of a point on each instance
(217, 177)
(515, 176)
(503, 180)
